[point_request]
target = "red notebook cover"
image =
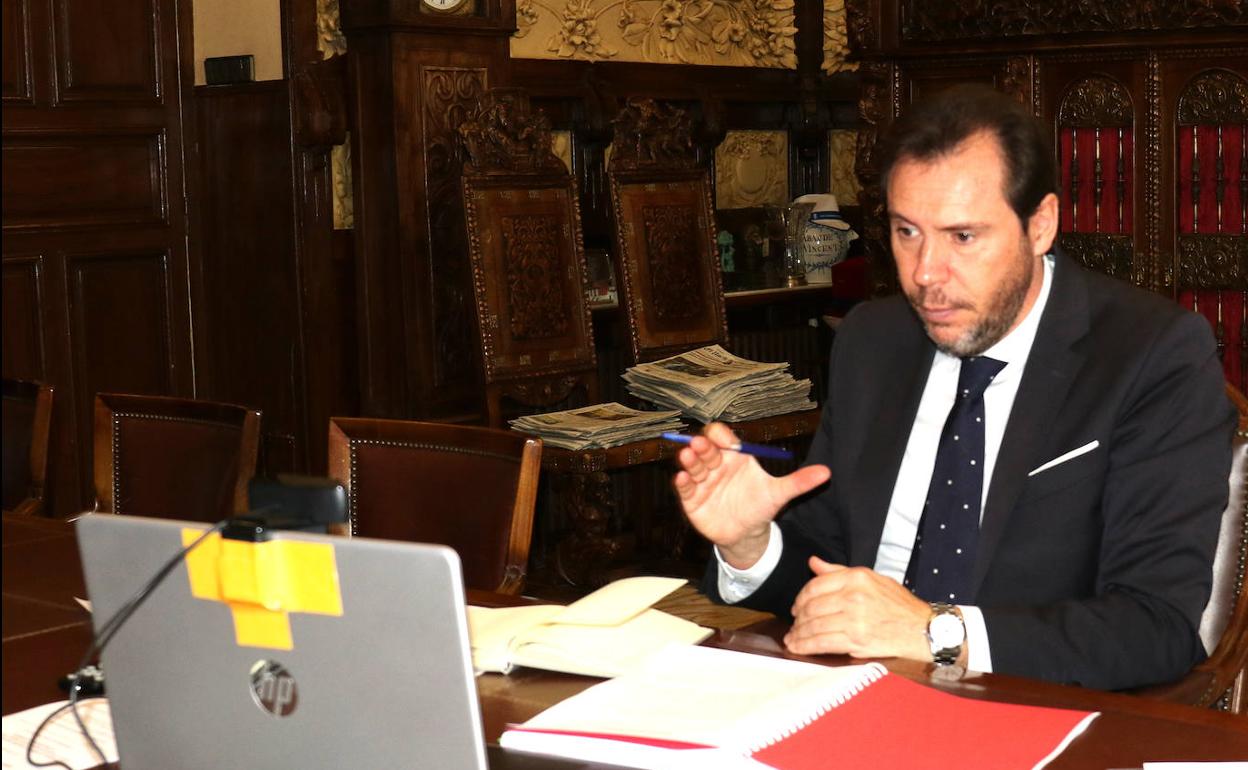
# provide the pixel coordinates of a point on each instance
(896, 724)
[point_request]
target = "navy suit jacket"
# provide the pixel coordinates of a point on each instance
(1093, 572)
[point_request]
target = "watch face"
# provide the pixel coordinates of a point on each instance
(443, 5)
(946, 630)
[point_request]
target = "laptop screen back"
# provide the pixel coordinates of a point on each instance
(388, 682)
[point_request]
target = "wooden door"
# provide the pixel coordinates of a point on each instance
(97, 281)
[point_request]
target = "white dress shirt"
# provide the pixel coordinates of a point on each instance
(915, 475)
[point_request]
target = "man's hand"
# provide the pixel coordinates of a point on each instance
(730, 499)
(860, 612)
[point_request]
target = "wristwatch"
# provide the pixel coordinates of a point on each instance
(946, 632)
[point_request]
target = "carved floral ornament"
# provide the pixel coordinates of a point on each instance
(835, 38)
(749, 33)
(1096, 101)
(1213, 97)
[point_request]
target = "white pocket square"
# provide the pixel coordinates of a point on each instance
(1072, 454)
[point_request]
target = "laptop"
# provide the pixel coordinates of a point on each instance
(386, 683)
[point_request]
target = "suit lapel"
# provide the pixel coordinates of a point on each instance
(1051, 367)
(900, 388)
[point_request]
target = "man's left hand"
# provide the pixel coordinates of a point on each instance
(857, 611)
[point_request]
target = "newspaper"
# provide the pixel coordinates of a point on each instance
(598, 426)
(712, 384)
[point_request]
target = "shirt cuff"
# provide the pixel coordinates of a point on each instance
(736, 584)
(978, 654)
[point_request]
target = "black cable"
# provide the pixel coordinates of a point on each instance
(100, 640)
(30, 747)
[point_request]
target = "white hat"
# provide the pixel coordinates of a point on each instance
(827, 213)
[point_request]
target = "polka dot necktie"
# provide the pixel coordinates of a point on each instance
(943, 558)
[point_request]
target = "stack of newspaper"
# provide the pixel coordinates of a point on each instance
(598, 426)
(712, 384)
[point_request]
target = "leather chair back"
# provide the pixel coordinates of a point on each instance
(1232, 554)
(27, 420)
(473, 489)
(173, 458)
(1221, 681)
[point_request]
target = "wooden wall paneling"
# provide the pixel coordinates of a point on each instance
(246, 208)
(15, 53)
(94, 185)
(23, 310)
(118, 178)
(108, 52)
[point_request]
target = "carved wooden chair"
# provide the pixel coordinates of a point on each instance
(1221, 680)
(27, 425)
(664, 222)
(529, 282)
(473, 489)
(528, 266)
(173, 458)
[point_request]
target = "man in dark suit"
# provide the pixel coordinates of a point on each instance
(1021, 465)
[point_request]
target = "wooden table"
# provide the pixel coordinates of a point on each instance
(45, 632)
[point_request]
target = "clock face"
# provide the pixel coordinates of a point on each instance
(444, 5)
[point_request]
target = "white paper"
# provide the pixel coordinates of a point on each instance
(61, 738)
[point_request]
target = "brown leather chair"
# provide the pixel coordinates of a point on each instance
(172, 457)
(27, 424)
(1221, 680)
(473, 489)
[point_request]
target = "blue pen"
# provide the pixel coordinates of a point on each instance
(758, 450)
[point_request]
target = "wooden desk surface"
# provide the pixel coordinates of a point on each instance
(45, 632)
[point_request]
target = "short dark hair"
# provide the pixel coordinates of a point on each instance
(935, 126)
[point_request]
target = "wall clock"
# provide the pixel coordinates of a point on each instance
(449, 6)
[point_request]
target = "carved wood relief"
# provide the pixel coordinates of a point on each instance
(983, 19)
(1109, 254)
(1017, 80)
(741, 33)
(1213, 97)
(503, 135)
(752, 169)
(860, 25)
(1096, 102)
(650, 135)
(876, 109)
(534, 288)
(676, 290)
(1213, 262)
(449, 94)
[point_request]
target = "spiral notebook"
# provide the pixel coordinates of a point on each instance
(697, 707)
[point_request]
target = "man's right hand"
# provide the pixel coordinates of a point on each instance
(730, 499)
